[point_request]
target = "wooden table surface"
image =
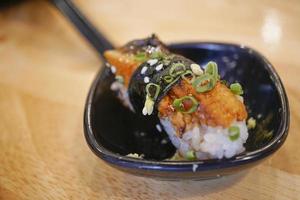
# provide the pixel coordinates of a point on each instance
(46, 69)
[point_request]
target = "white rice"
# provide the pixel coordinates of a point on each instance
(207, 142)
(135, 155)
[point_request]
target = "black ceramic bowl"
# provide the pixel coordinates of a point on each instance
(112, 131)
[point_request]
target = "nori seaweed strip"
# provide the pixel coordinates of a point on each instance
(144, 45)
(137, 86)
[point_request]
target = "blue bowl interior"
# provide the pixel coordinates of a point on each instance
(118, 131)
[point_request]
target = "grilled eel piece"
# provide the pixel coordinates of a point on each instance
(217, 107)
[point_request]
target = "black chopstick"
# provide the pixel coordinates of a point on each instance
(95, 38)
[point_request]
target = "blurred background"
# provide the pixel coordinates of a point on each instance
(46, 69)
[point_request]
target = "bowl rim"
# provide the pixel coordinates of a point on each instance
(202, 165)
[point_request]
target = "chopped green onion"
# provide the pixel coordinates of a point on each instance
(225, 82)
(168, 79)
(208, 80)
(251, 123)
(181, 104)
(234, 133)
(236, 88)
(186, 74)
(140, 56)
(190, 155)
(173, 81)
(268, 135)
(148, 106)
(157, 55)
(177, 69)
(149, 89)
(204, 83)
(120, 79)
(262, 134)
(166, 62)
(212, 69)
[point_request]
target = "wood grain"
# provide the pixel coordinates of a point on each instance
(46, 69)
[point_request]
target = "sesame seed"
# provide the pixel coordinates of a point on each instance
(146, 79)
(164, 141)
(259, 116)
(113, 69)
(159, 67)
(142, 134)
(151, 49)
(144, 69)
(158, 127)
(196, 69)
(152, 62)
